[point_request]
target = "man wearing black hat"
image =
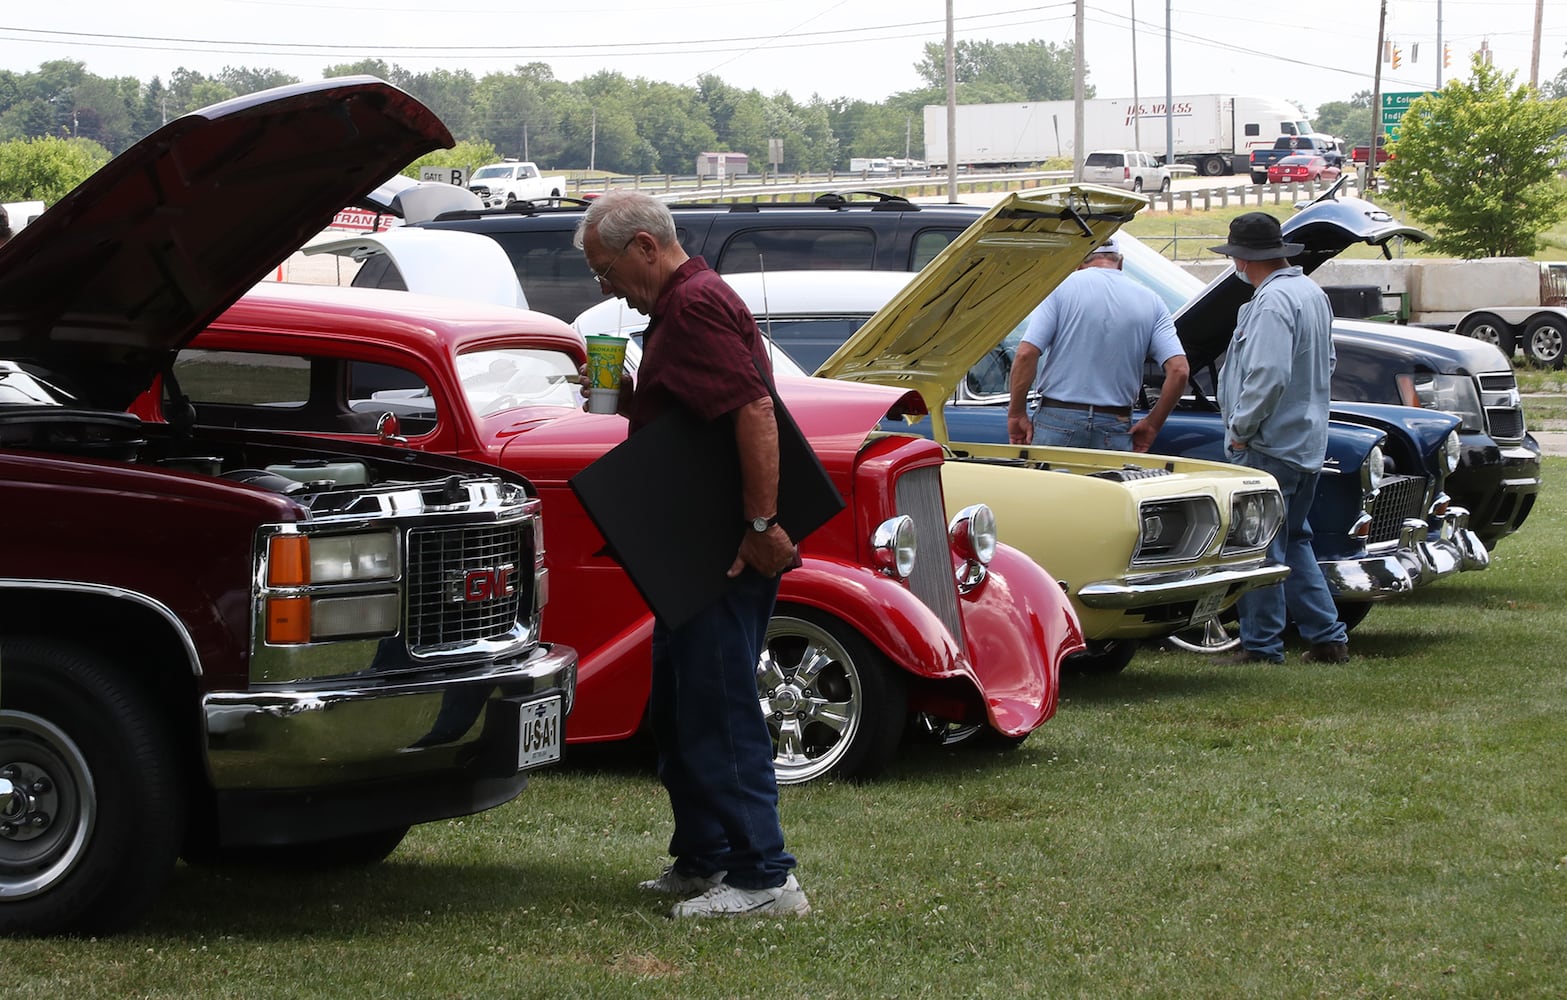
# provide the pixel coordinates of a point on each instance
(1273, 394)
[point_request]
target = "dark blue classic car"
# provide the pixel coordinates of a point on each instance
(1497, 474)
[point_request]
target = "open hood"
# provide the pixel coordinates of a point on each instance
(981, 286)
(101, 288)
(418, 201)
(1326, 227)
(432, 262)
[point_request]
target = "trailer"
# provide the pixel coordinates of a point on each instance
(1214, 133)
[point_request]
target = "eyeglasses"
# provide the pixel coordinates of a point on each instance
(602, 277)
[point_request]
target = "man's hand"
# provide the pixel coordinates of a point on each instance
(768, 552)
(1143, 433)
(1020, 429)
(585, 383)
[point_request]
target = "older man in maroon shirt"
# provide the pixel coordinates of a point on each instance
(703, 352)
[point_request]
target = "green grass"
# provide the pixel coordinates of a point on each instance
(1393, 827)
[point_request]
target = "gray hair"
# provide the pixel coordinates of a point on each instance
(620, 215)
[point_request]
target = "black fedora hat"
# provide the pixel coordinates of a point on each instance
(1256, 236)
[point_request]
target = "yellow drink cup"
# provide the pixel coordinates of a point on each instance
(606, 360)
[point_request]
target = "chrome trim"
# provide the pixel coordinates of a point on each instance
(303, 738)
(118, 593)
(1370, 578)
(1167, 588)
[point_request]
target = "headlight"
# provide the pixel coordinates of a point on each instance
(1376, 468)
(1254, 518)
(1455, 394)
(300, 560)
(973, 534)
(892, 546)
(1452, 448)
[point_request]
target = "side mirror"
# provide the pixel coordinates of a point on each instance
(388, 429)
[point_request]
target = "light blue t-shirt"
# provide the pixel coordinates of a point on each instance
(1276, 381)
(1094, 332)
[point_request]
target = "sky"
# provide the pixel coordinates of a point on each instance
(860, 49)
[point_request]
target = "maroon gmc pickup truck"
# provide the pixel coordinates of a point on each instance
(232, 644)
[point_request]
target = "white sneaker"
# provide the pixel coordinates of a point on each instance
(725, 900)
(672, 883)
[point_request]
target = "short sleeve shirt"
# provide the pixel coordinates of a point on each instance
(700, 350)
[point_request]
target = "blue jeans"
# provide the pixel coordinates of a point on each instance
(715, 754)
(1063, 427)
(1303, 597)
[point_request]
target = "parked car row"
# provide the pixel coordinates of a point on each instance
(321, 511)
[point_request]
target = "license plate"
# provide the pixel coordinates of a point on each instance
(1207, 607)
(538, 732)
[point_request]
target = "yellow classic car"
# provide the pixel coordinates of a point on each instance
(1146, 545)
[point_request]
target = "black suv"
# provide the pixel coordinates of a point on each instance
(882, 232)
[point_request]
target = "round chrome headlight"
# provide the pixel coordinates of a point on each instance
(973, 534)
(893, 548)
(1376, 467)
(1246, 530)
(1451, 450)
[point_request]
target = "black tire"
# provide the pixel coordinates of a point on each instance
(1492, 329)
(1102, 657)
(1543, 340)
(1137, 185)
(1164, 186)
(833, 703)
(357, 851)
(1212, 166)
(101, 773)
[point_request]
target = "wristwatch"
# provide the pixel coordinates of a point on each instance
(761, 524)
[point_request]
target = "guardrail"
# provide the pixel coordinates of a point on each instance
(771, 187)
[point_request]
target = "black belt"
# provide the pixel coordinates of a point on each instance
(1119, 412)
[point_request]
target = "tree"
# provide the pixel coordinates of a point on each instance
(1478, 161)
(1011, 71)
(1346, 119)
(46, 169)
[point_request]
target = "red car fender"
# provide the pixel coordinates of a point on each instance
(1020, 627)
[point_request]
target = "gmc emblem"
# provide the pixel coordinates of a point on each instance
(481, 584)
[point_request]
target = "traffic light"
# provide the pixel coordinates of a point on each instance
(1398, 56)
(1447, 55)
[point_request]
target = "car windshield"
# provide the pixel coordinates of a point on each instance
(1103, 160)
(502, 378)
(485, 173)
(1163, 276)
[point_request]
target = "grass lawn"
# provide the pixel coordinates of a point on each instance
(1393, 827)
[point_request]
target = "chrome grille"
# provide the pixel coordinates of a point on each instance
(467, 584)
(1398, 498)
(919, 496)
(1503, 408)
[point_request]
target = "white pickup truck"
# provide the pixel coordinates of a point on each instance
(502, 184)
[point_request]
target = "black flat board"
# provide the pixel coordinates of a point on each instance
(667, 500)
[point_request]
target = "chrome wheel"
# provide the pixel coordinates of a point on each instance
(831, 702)
(1491, 330)
(45, 829)
(1542, 341)
(1212, 636)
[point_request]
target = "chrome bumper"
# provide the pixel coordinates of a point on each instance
(1418, 559)
(1158, 589)
(390, 729)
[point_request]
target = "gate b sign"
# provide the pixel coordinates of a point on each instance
(444, 175)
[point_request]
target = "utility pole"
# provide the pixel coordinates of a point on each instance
(1169, 92)
(1376, 101)
(1534, 60)
(1077, 98)
(1137, 107)
(952, 115)
(1441, 50)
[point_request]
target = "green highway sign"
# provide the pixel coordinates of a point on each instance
(1393, 107)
